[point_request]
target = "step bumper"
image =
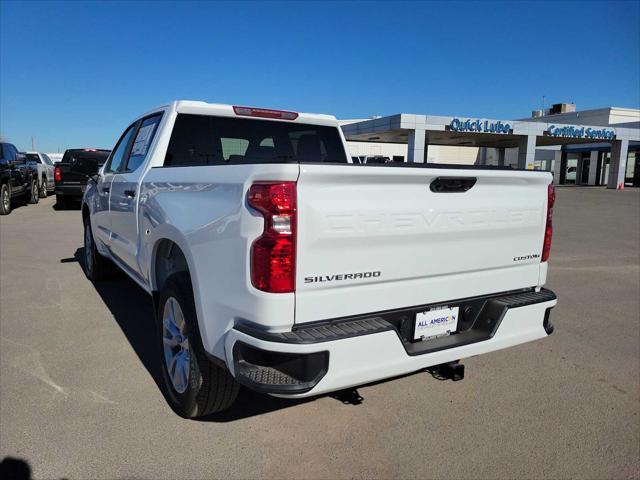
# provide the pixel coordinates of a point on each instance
(329, 356)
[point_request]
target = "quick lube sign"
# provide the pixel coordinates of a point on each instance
(478, 125)
(582, 132)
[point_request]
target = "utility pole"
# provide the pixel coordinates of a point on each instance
(542, 104)
(33, 143)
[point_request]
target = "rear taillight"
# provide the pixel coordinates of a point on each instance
(551, 199)
(273, 254)
(57, 176)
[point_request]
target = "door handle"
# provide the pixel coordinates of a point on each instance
(452, 184)
(130, 193)
(105, 189)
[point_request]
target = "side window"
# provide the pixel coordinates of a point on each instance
(12, 153)
(118, 154)
(47, 160)
(142, 142)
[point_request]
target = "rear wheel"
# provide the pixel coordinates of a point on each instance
(195, 386)
(43, 188)
(5, 199)
(96, 267)
(32, 194)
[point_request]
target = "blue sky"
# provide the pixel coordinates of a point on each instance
(74, 74)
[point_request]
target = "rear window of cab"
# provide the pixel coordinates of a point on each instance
(208, 140)
(99, 156)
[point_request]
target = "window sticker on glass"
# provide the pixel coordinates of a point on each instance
(145, 134)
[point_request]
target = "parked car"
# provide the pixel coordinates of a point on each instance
(70, 182)
(45, 170)
(275, 263)
(377, 159)
(18, 179)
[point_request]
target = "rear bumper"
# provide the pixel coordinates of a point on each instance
(70, 190)
(329, 356)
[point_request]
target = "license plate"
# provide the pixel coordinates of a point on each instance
(436, 323)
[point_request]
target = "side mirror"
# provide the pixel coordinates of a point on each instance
(84, 166)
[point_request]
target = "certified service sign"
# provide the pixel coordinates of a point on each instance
(581, 132)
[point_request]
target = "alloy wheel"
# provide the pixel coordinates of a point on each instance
(88, 249)
(175, 343)
(6, 200)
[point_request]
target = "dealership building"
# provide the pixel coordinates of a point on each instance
(590, 147)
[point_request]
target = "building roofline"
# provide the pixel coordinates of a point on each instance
(584, 112)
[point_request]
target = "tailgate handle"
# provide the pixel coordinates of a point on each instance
(452, 184)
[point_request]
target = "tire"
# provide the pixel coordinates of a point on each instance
(32, 193)
(207, 387)
(5, 199)
(61, 202)
(96, 267)
(43, 188)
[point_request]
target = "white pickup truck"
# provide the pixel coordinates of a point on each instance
(275, 262)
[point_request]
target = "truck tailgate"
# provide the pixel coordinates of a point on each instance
(375, 238)
(69, 177)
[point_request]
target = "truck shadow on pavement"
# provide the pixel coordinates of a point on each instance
(12, 468)
(132, 310)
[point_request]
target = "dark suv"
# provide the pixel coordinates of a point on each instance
(68, 175)
(17, 178)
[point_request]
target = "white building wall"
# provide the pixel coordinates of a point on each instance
(452, 155)
(624, 115)
(600, 116)
(434, 154)
(357, 149)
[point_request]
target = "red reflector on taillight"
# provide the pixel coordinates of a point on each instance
(273, 264)
(551, 199)
(57, 176)
(265, 113)
(273, 254)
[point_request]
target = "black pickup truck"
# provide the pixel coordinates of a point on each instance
(17, 178)
(68, 176)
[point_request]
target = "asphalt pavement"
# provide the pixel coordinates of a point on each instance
(79, 394)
